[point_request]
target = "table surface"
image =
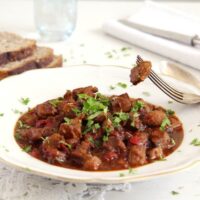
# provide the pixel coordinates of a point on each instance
(89, 44)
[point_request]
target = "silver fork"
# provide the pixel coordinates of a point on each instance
(181, 97)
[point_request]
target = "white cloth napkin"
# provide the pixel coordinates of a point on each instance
(153, 15)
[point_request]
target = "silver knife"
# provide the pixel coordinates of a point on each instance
(179, 37)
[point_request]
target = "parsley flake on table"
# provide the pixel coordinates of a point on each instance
(195, 142)
(147, 94)
(1, 114)
(24, 101)
(16, 111)
(174, 192)
(121, 174)
(111, 87)
(122, 85)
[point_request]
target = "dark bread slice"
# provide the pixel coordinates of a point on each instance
(42, 57)
(14, 47)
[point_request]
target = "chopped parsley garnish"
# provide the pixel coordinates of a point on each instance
(24, 101)
(91, 140)
(76, 111)
(170, 112)
(122, 85)
(174, 192)
(119, 117)
(18, 136)
(137, 106)
(27, 148)
(17, 111)
(67, 121)
(164, 123)
(91, 127)
(147, 94)
(94, 115)
(109, 54)
(66, 144)
(23, 125)
(195, 142)
(54, 102)
(1, 114)
(173, 141)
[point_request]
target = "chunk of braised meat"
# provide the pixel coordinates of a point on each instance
(140, 72)
(137, 155)
(92, 163)
(68, 97)
(154, 118)
(45, 109)
(54, 150)
(30, 118)
(160, 138)
(50, 122)
(115, 144)
(71, 130)
(109, 156)
(80, 154)
(155, 153)
(121, 103)
(34, 134)
(139, 138)
(67, 108)
(90, 91)
(175, 123)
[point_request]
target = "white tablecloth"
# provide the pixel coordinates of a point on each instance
(90, 44)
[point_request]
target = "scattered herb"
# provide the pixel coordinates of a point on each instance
(23, 125)
(174, 192)
(54, 102)
(82, 45)
(66, 144)
(1, 114)
(170, 102)
(76, 111)
(109, 54)
(112, 87)
(164, 123)
(170, 112)
(198, 125)
(65, 60)
(91, 140)
(122, 85)
(121, 174)
(173, 141)
(119, 116)
(17, 111)
(27, 148)
(125, 48)
(147, 94)
(18, 136)
(24, 101)
(131, 170)
(195, 142)
(137, 106)
(67, 121)
(84, 61)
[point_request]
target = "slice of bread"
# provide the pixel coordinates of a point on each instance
(57, 62)
(14, 47)
(42, 57)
